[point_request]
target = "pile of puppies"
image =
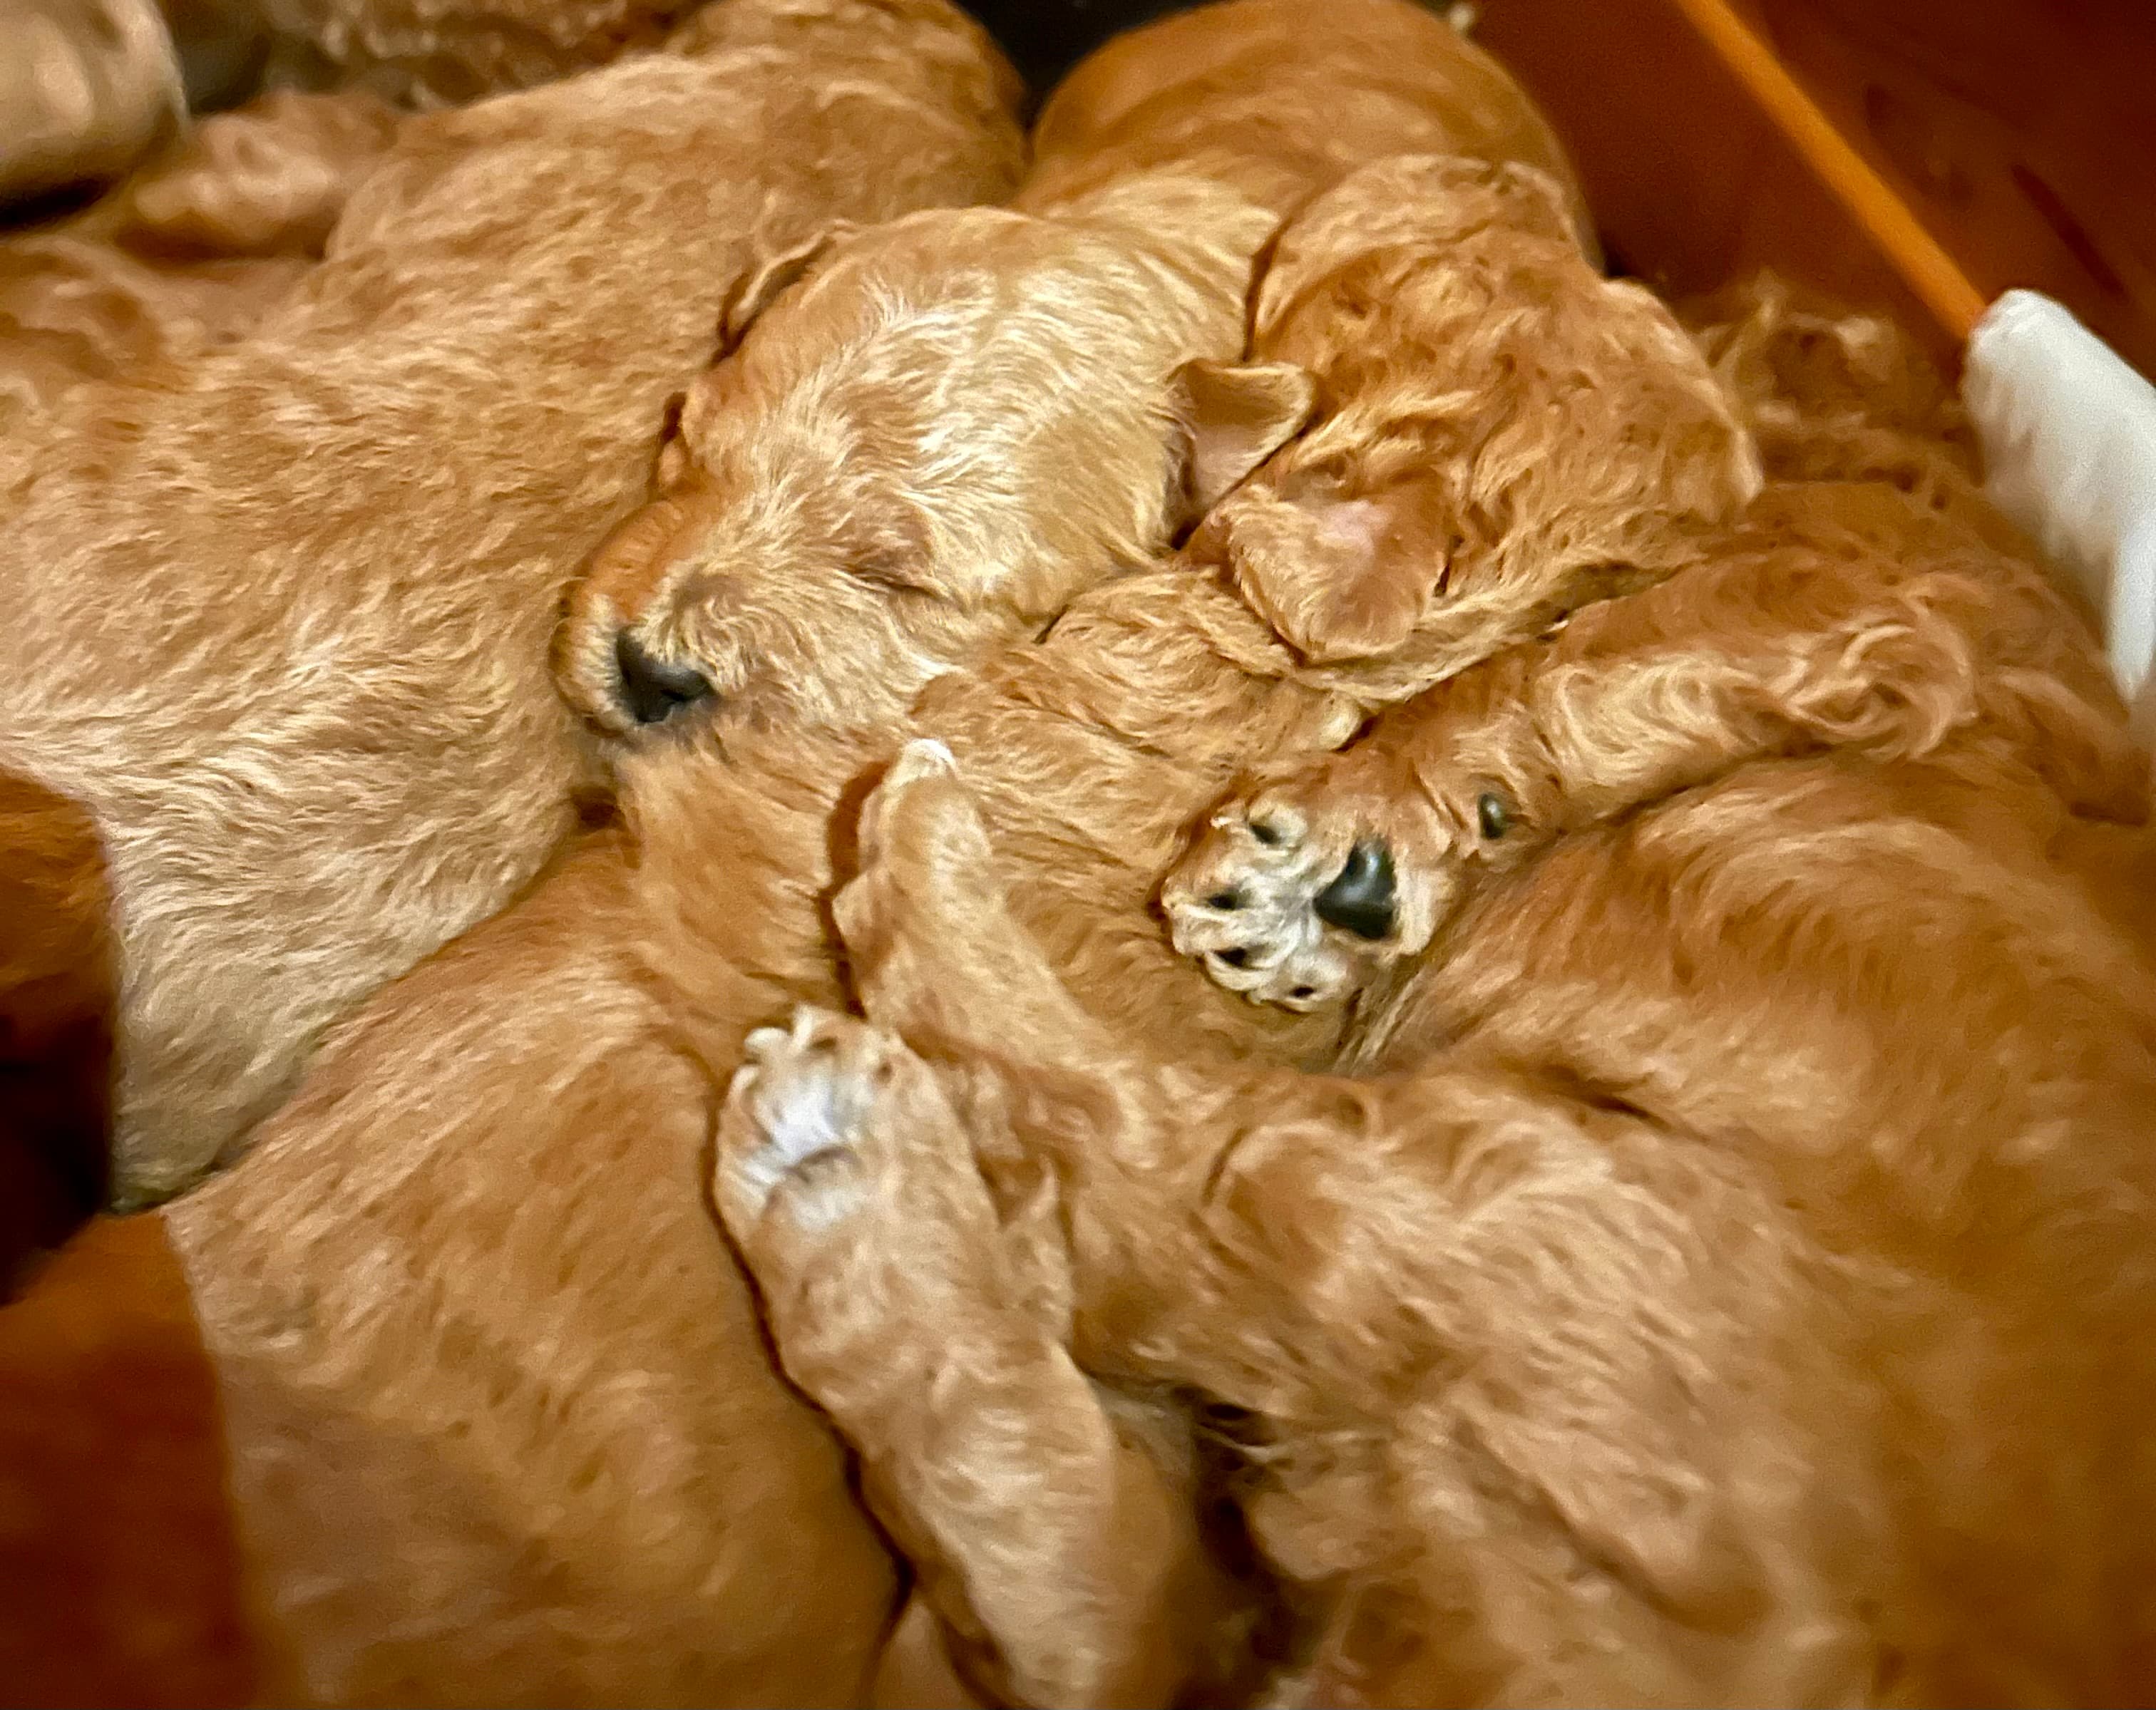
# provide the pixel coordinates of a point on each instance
(1517, 1076)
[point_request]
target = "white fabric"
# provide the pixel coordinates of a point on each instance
(2069, 435)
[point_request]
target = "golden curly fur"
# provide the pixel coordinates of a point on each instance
(1839, 615)
(1127, 253)
(952, 424)
(1729, 1275)
(1578, 439)
(282, 607)
(437, 53)
(1260, 94)
(190, 253)
(516, 1249)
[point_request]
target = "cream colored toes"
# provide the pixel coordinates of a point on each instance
(1250, 903)
(789, 1138)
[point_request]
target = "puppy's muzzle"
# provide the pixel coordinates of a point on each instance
(654, 689)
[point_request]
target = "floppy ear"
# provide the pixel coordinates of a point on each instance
(1233, 415)
(776, 269)
(1334, 577)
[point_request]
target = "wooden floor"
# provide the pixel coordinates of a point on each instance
(2022, 132)
(1922, 155)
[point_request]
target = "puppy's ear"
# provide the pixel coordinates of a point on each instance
(1335, 577)
(771, 273)
(1232, 417)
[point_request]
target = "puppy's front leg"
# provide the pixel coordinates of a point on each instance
(934, 949)
(1311, 878)
(1062, 1552)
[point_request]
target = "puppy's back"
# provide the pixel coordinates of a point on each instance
(1282, 97)
(284, 608)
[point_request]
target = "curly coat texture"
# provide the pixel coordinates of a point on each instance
(970, 464)
(1251, 92)
(189, 254)
(515, 1256)
(1741, 1212)
(955, 420)
(1090, 753)
(284, 607)
(433, 52)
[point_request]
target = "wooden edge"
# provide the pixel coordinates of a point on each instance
(1705, 161)
(1932, 275)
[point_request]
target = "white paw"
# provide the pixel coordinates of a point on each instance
(1276, 908)
(924, 756)
(794, 1118)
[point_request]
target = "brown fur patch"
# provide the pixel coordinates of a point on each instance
(56, 1021)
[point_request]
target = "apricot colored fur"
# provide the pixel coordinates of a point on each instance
(513, 1248)
(1738, 1213)
(282, 606)
(189, 254)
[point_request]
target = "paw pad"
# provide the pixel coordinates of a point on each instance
(1253, 901)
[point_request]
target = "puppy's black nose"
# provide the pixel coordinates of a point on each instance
(1361, 898)
(652, 689)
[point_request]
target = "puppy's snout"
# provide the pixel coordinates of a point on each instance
(1363, 898)
(654, 689)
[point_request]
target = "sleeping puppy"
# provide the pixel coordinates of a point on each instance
(1199, 133)
(939, 433)
(518, 1251)
(282, 606)
(1089, 754)
(1745, 1201)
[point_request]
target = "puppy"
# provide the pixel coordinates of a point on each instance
(851, 471)
(953, 423)
(283, 608)
(1089, 752)
(517, 1249)
(1767, 1102)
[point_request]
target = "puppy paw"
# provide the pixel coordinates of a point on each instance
(852, 1198)
(1244, 902)
(921, 817)
(927, 928)
(1302, 887)
(795, 1121)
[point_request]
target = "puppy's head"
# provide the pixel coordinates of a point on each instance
(937, 431)
(1501, 434)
